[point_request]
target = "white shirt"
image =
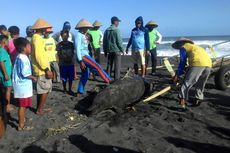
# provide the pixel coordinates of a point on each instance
(23, 87)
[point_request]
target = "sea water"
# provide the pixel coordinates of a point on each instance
(165, 49)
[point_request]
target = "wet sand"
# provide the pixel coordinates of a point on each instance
(156, 127)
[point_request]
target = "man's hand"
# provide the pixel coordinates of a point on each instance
(175, 79)
(147, 53)
(106, 54)
(34, 79)
(6, 77)
(82, 65)
(49, 75)
(127, 51)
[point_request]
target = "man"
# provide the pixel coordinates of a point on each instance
(29, 33)
(97, 37)
(199, 70)
(113, 47)
(86, 62)
(41, 65)
(66, 26)
(140, 45)
(154, 38)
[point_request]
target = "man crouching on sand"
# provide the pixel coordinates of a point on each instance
(41, 66)
(86, 62)
(199, 70)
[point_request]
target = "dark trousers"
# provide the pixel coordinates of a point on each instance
(153, 59)
(114, 58)
(97, 55)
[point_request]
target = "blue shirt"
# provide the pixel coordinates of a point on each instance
(183, 60)
(81, 46)
(139, 39)
(23, 87)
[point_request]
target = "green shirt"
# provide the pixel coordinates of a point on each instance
(5, 57)
(97, 37)
(153, 39)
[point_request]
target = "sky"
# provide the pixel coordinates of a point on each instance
(174, 17)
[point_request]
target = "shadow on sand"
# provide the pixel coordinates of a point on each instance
(197, 146)
(88, 146)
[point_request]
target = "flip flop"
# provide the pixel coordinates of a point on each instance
(44, 111)
(47, 110)
(25, 128)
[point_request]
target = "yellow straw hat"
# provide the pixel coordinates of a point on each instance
(97, 24)
(41, 24)
(152, 23)
(177, 44)
(83, 23)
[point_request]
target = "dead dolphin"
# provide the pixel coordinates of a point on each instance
(120, 94)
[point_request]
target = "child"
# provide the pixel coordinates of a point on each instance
(14, 32)
(22, 80)
(66, 61)
(50, 47)
(86, 62)
(4, 31)
(5, 72)
(41, 66)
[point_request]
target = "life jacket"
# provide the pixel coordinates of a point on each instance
(197, 56)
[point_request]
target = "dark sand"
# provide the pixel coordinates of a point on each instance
(153, 128)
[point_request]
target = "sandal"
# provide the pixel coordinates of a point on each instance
(25, 128)
(44, 111)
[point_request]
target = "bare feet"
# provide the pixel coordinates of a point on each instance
(9, 108)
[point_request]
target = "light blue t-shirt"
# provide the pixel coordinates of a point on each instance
(23, 87)
(81, 46)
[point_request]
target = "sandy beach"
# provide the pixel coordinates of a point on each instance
(156, 127)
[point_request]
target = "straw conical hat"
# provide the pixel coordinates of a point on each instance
(41, 24)
(152, 23)
(176, 44)
(83, 23)
(97, 24)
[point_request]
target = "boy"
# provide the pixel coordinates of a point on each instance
(140, 45)
(50, 47)
(5, 72)
(154, 38)
(86, 62)
(199, 70)
(66, 61)
(41, 66)
(14, 32)
(22, 80)
(4, 31)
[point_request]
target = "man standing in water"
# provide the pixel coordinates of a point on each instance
(113, 47)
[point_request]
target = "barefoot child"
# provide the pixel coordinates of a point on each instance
(41, 66)
(50, 47)
(5, 72)
(66, 61)
(22, 80)
(83, 57)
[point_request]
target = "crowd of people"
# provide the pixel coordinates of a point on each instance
(42, 59)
